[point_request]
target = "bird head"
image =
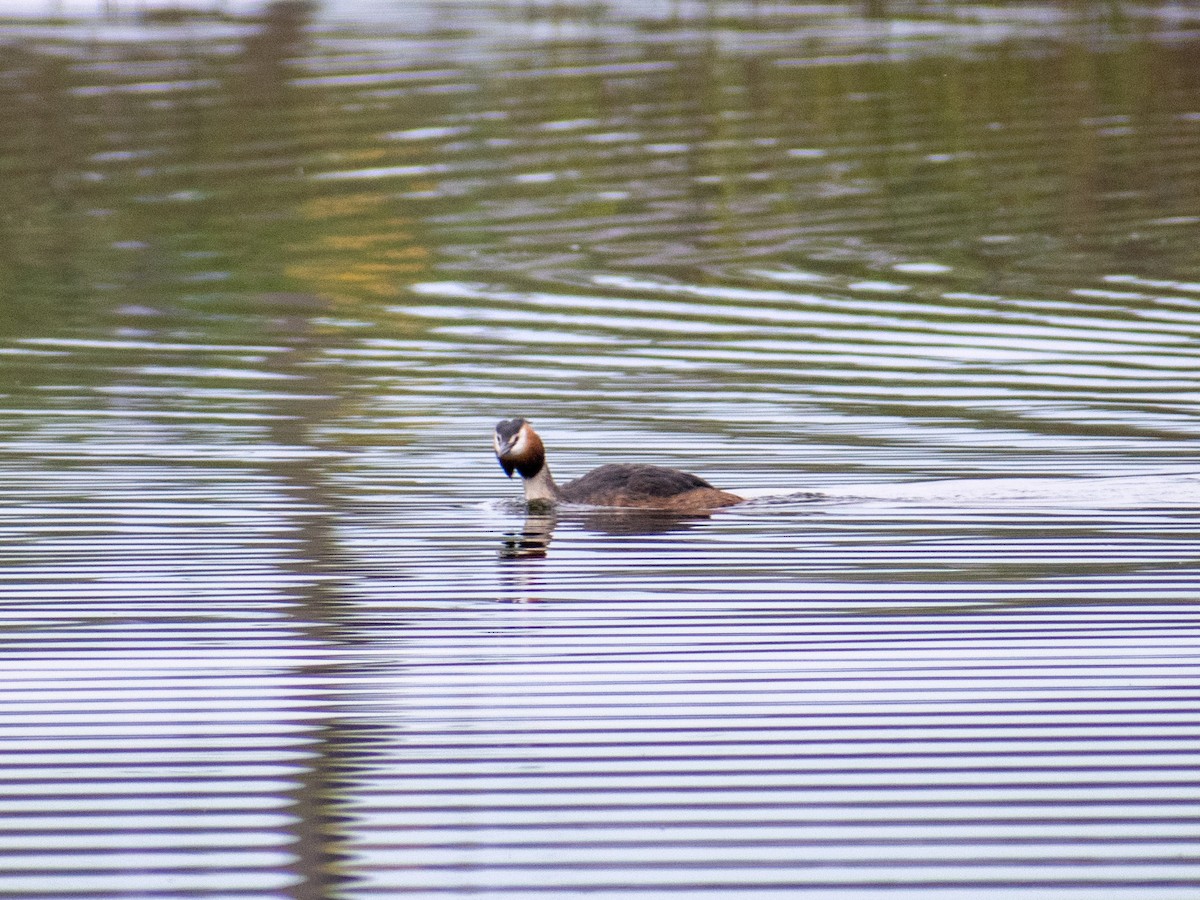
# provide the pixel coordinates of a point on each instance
(518, 448)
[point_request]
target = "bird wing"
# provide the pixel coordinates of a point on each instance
(637, 480)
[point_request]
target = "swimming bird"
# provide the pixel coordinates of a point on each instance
(519, 449)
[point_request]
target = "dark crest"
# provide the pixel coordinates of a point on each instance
(508, 428)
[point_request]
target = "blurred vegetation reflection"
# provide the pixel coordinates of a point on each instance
(198, 163)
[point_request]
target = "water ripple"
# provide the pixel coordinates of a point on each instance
(273, 622)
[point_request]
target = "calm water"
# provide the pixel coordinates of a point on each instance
(927, 288)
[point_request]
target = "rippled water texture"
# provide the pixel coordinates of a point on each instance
(925, 287)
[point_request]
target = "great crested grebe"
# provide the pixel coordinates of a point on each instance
(519, 449)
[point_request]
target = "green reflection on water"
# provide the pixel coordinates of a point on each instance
(207, 169)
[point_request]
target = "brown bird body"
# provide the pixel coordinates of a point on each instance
(636, 486)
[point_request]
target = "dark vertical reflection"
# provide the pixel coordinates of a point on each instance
(43, 143)
(318, 603)
(264, 66)
(268, 113)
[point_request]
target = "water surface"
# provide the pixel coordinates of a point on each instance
(925, 288)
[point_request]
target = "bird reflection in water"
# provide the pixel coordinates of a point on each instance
(532, 541)
(524, 582)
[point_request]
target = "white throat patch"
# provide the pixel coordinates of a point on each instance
(522, 444)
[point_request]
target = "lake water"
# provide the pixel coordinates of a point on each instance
(926, 287)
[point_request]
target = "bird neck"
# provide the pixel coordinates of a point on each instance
(540, 485)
